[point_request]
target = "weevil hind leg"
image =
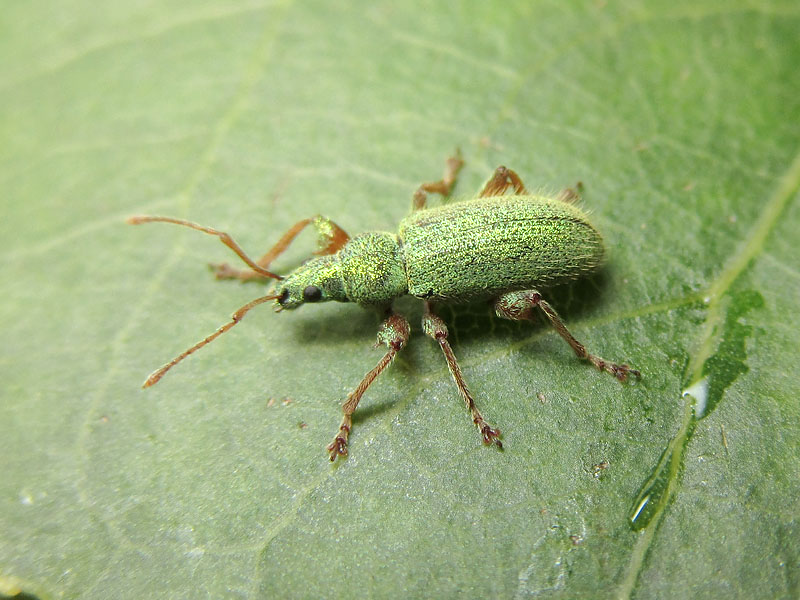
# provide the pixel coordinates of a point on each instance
(331, 239)
(501, 180)
(393, 333)
(519, 306)
(436, 328)
(442, 187)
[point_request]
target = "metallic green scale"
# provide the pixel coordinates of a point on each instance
(484, 247)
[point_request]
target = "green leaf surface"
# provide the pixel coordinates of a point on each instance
(682, 120)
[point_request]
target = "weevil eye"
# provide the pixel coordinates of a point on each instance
(312, 294)
(282, 299)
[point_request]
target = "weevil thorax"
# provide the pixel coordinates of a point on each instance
(368, 270)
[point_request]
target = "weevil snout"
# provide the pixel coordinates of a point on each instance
(317, 280)
(289, 298)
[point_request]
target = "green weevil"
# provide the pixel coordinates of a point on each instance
(498, 246)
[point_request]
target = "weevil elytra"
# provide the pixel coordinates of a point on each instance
(498, 246)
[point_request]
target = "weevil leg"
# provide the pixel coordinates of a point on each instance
(331, 239)
(503, 179)
(443, 187)
(435, 327)
(393, 332)
(518, 306)
(571, 195)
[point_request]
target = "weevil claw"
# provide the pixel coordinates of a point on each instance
(491, 435)
(338, 447)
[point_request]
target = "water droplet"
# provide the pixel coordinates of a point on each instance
(699, 392)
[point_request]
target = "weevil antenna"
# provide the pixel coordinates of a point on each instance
(224, 238)
(237, 316)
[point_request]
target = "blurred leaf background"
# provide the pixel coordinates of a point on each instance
(680, 118)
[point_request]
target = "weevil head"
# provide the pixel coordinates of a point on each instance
(368, 270)
(317, 280)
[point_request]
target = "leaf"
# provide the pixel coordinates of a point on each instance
(681, 120)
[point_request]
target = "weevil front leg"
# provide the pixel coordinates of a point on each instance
(435, 327)
(518, 306)
(331, 239)
(443, 187)
(393, 333)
